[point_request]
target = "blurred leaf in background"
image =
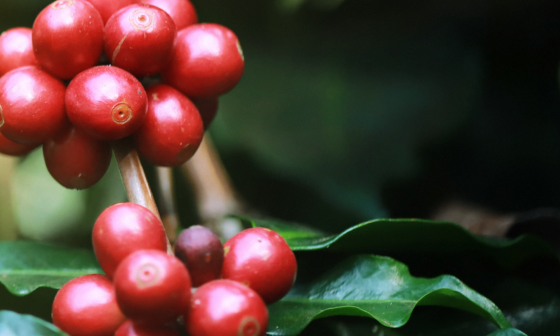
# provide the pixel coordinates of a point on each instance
(358, 109)
(47, 211)
(378, 109)
(8, 230)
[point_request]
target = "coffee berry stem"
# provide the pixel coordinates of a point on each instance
(166, 196)
(214, 193)
(134, 178)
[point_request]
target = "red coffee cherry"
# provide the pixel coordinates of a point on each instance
(8, 147)
(202, 252)
(152, 287)
(122, 229)
(173, 129)
(226, 308)
(107, 102)
(131, 329)
(31, 105)
(139, 39)
(16, 49)
(107, 8)
(261, 259)
(207, 107)
(86, 306)
(182, 11)
(75, 160)
(207, 61)
(68, 37)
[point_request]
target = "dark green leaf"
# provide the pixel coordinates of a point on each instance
(508, 332)
(26, 266)
(13, 324)
(371, 286)
(37, 303)
(432, 321)
(411, 236)
(290, 231)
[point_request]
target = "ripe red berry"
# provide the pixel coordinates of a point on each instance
(226, 308)
(139, 39)
(107, 8)
(152, 287)
(261, 259)
(202, 252)
(173, 129)
(207, 61)
(131, 329)
(11, 148)
(68, 37)
(76, 160)
(86, 306)
(207, 107)
(107, 102)
(31, 105)
(122, 229)
(16, 49)
(182, 11)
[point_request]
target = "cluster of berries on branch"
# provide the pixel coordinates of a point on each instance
(214, 289)
(73, 83)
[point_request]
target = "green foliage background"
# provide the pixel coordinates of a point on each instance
(359, 109)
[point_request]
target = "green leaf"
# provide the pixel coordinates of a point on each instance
(508, 332)
(432, 321)
(410, 236)
(26, 266)
(371, 286)
(37, 303)
(13, 324)
(290, 231)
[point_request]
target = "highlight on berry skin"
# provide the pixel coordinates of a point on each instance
(152, 287)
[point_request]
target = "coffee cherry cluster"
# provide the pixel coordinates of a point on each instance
(73, 83)
(146, 291)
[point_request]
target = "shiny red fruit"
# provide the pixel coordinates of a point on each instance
(202, 252)
(86, 306)
(31, 105)
(8, 147)
(181, 11)
(226, 308)
(173, 129)
(131, 329)
(152, 287)
(107, 8)
(139, 39)
(207, 61)
(261, 259)
(16, 49)
(207, 107)
(68, 37)
(75, 160)
(122, 229)
(107, 102)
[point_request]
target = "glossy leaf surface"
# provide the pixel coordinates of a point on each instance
(26, 266)
(410, 236)
(370, 286)
(14, 324)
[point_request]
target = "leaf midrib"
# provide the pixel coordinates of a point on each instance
(48, 272)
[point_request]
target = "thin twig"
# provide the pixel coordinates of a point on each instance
(166, 196)
(134, 178)
(214, 192)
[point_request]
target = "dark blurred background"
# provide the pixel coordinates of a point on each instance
(357, 109)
